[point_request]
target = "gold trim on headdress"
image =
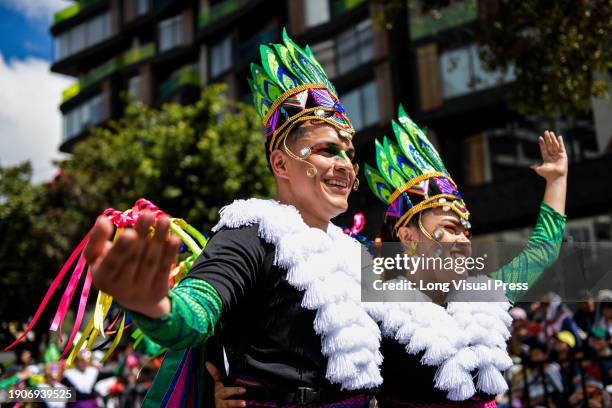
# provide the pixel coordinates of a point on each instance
(303, 116)
(287, 94)
(412, 182)
(431, 202)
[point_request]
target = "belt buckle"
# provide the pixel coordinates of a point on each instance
(301, 395)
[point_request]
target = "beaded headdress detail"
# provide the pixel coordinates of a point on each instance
(291, 87)
(411, 176)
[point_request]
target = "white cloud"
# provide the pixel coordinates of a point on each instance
(36, 9)
(30, 120)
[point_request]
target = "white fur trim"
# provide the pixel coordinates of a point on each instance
(463, 337)
(326, 267)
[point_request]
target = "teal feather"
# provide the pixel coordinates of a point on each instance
(397, 159)
(285, 56)
(386, 168)
(261, 104)
(410, 152)
(275, 69)
(312, 70)
(378, 184)
(420, 141)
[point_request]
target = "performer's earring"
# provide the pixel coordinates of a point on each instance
(356, 184)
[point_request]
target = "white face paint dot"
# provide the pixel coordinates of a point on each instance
(445, 208)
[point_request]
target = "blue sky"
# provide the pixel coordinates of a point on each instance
(30, 94)
(24, 37)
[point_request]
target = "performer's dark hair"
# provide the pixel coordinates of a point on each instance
(387, 234)
(387, 229)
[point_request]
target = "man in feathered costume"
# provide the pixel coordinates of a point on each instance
(447, 349)
(279, 279)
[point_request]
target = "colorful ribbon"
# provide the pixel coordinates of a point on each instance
(194, 240)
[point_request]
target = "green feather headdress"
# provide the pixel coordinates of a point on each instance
(289, 87)
(411, 176)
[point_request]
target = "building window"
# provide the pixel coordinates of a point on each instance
(84, 116)
(429, 77)
(170, 33)
(82, 36)
(133, 90)
(361, 105)
(142, 7)
(316, 12)
(220, 57)
(354, 47)
(462, 72)
(349, 50)
(430, 17)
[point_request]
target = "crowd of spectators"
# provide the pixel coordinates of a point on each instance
(120, 382)
(562, 353)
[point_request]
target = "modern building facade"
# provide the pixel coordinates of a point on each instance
(426, 58)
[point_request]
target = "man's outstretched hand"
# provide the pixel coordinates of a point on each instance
(135, 268)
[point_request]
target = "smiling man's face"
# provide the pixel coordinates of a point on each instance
(326, 194)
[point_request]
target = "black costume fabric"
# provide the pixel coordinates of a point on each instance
(267, 335)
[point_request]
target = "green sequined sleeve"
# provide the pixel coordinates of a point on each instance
(196, 308)
(9, 382)
(539, 253)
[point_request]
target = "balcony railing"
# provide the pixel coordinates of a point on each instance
(185, 76)
(102, 71)
(70, 92)
(338, 7)
(73, 10)
(217, 11)
(128, 58)
(138, 54)
(444, 18)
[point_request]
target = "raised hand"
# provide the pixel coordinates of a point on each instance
(554, 157)
(135, 268)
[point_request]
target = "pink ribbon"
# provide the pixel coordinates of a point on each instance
(58, 320)
(121, 219)
(80, 312)
(51, 289)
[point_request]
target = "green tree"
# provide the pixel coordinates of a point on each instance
(189, 160)
(554, 47)
(29, 249)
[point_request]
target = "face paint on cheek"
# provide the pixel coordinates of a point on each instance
(342, 155)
